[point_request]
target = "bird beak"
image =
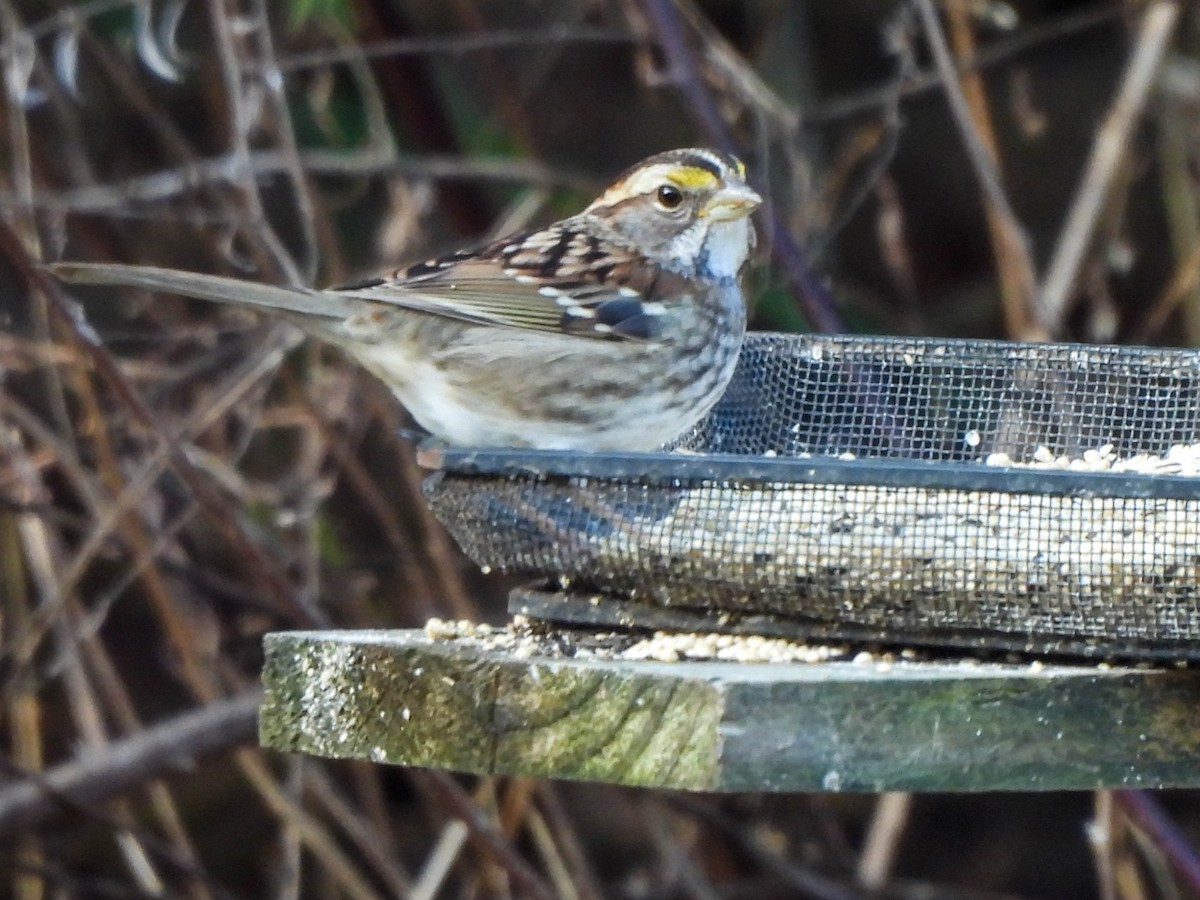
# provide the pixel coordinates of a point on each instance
(731, 202)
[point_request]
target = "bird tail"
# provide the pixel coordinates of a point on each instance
(302, 301)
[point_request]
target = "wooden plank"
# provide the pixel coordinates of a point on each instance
(402, 697)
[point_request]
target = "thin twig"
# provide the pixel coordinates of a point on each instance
(1184, 282)
(273, 83)
(455, 44)
(736, 76)
(354, 825)
(171, 184)
(42, 552)
(799, 878)
(317, 839)
(167, 135)
(543, 840)
(1100, 840)
(810, 294)
(1012, 245)
(811, 883)
(1145, 813)
(675, 838)
(240, 107)
(442, 580)
(1108, 150)
(871, 100)
(888, 824)
(127, 764)
(1014, 264)
(258, 564)
(1181, 206)
(110, 686)
(445, 853)
(23, 158)
(586, 883)
(526, 881)
(112, 510)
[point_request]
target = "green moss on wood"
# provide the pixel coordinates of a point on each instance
(399, 697)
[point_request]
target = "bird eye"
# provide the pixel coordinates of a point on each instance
(669, 196)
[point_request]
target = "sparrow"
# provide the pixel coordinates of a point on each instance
(615, 329)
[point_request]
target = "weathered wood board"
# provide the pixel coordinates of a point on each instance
(401, 697)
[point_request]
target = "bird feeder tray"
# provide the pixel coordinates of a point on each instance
(1034, 497)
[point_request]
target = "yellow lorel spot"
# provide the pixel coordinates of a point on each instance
(692, 177)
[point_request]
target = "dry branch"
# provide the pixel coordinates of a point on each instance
(1013, 254)
(1108, 150)
(130, 763)
(809, 293)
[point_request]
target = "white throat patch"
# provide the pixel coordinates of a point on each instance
(726, 248)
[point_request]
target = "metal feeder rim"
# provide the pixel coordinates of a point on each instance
(727, 468)
(1018, 350)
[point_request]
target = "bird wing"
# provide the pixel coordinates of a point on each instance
(557, 280)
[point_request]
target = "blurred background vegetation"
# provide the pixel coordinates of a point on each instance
(176, 479)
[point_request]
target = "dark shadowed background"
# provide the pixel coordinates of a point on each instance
(177, 479)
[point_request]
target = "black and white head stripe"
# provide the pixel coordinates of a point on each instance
(692, 168)
(719, 165)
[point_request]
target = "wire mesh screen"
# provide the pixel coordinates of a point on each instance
(1043, 495)
(951, 400)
